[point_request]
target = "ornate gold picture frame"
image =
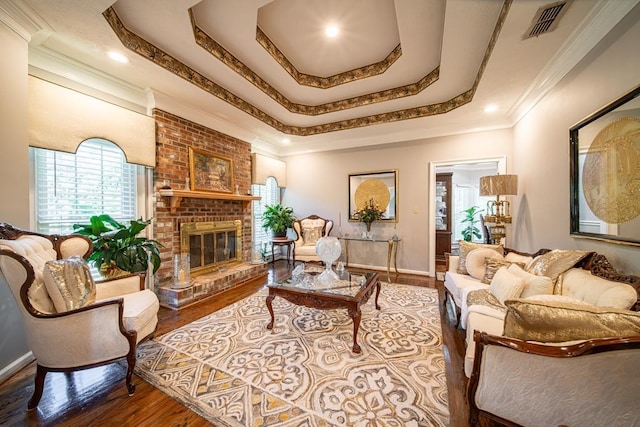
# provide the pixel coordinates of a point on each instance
(210, 172)
(381, 186)
(605, 172)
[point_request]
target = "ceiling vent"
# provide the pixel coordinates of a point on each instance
(546, 19)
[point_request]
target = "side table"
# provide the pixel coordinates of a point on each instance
(291, 249)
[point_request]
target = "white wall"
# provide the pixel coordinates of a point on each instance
(317, 184)
(541, 145)
(14, 180)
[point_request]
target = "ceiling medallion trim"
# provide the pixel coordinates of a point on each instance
(145, 49)
(227, 58)
(331, 81)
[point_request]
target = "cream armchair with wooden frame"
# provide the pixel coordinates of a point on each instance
(102, 332)
(308, 231)
(591, 382)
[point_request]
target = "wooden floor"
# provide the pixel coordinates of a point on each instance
(98, 396)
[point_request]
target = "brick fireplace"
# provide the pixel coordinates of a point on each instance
(174, 137)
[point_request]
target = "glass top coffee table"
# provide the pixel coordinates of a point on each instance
(349, 290)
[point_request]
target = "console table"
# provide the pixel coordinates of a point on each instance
(291, 249)
(392, 250)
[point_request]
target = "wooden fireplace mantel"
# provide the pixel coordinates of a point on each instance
(176, 197)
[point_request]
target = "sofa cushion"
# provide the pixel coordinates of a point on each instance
(533, 285)
(506, 286)
(558, 321)
(69, 283)
(555, 262)
(466, 247)
(514, 257)
(476, 264)
(581, 284)
(492, 265)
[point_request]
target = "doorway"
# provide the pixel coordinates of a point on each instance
(454, 187)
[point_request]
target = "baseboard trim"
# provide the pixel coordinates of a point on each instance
(392, 270)
(15, 366)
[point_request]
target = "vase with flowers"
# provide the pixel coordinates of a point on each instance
(369, 213)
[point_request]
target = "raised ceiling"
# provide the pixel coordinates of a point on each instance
(264, 71)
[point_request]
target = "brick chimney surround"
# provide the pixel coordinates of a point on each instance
(174, 136)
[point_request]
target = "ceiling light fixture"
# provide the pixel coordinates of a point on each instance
(491, 108)
(118, 57)
(286, 141)
(331, 31)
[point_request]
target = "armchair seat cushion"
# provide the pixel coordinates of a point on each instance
(140, 311)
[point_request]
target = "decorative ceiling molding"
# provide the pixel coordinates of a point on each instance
(156, 55)
(227, 58)
(331, 81)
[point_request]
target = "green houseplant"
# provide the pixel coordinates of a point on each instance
(118, 245)
(471, 219)
(278, 219)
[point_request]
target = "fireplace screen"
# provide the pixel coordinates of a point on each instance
(211, 245)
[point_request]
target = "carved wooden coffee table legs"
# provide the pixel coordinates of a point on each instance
(270, 308)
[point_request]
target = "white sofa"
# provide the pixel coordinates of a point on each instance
(593, 282)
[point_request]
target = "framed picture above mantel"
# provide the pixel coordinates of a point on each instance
(210, 172)
(605, 172)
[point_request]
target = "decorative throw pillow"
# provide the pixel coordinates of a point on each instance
(555, 262)
(505, 285)
(311, 235)
(533, 285)
(476, 264)
(523, 259)
(558, 322)
(466, 247)
(69, 283)
(492, 265)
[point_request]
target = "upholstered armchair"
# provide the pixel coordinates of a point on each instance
(593, 382)
(63, 332)
(308, 231)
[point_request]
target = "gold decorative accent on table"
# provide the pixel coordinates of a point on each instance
(613, 197)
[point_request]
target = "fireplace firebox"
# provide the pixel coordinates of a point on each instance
(212, 246)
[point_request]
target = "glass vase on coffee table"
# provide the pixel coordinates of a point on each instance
(329, 250)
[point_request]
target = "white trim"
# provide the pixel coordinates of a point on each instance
(15, 366)
(392, 271)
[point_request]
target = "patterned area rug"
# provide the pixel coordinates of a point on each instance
(231, 370)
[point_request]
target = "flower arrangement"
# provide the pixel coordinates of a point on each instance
(369, 213)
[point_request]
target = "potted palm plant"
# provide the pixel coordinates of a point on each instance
(278, 219)
(117, 248)
(471, 219)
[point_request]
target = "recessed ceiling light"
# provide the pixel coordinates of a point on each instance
(286, 141)
(331, 31)
(490, 108)
(118, 57)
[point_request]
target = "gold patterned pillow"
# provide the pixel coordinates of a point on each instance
(555, 262)
(467, 247)
(492, 265)
(69, 283)
(547, 321)
(311, 235)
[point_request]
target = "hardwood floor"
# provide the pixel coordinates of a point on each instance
(98, 396)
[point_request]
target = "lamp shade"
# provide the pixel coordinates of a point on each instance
(499, 185)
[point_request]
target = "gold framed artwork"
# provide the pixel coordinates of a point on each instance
(210, 172)
(605, 172)
(381, 186)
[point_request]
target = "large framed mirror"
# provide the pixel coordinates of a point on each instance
(605, 172)
(379, 186)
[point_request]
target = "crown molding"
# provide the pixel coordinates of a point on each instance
(23, 20)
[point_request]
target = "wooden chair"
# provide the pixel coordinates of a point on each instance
(105, 331)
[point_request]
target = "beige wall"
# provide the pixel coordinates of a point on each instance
(317, 184)
(14, 183)
(541, 145)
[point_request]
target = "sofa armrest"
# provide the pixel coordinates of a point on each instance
(452, 262)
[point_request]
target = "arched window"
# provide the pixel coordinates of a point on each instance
(70, 188)
(270, 194)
